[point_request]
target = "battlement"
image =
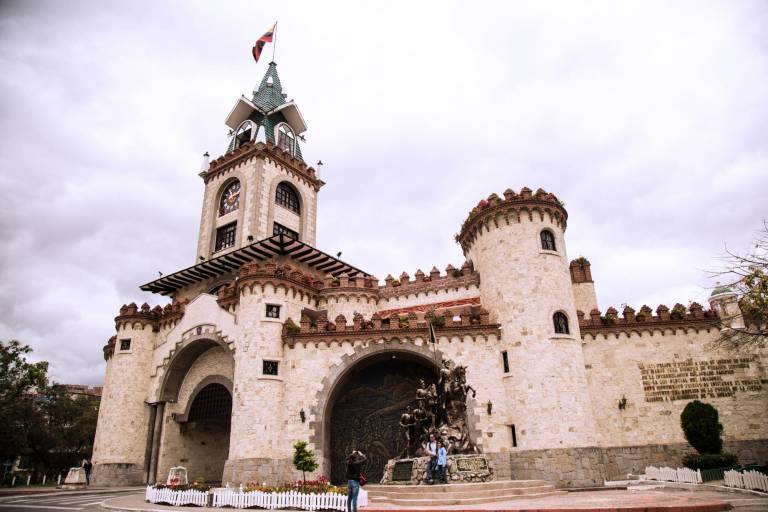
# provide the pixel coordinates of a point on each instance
(255, 274)
(109, 348)
(493, 210)
(679, 317)
(267, 149)
(432, 282)
(473, 320)
(581, 271)
(158, 317)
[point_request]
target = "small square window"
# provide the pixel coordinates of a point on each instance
(273, 311)
(125, 344)
(505, 360)
(269, 367)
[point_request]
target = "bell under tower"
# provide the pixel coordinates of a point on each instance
(261, 185)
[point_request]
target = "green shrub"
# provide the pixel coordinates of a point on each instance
(701, 427)
(709, 460)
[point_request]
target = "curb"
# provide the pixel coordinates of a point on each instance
(698, 487)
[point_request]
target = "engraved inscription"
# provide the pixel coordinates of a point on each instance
(691, 380)
(402, 470)
(471, 464)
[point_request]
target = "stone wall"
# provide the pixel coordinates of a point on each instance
(117, 475)
(591, 466)
(658, 372)
(260, 470)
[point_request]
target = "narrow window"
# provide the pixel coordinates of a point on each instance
(561, 323)
(269, 367)
(286, 140)
(547, 240)
(514, 437)
(273, 311)
(286, 196)
(279, 229)
(230, 198)
(243, 134)
(225, 236)
(125, 344)
(505, 360)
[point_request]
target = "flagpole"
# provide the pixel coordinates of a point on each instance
(274, 42)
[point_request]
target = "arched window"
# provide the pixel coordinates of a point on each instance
(286, 140)
(561, 323)
(230, 198)
(286, 195)
(547, 240)
(243, 134)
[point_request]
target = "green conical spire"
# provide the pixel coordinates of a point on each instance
(270, 92)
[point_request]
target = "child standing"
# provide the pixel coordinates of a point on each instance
(442, 462)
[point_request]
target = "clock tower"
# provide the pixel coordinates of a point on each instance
(261, 186)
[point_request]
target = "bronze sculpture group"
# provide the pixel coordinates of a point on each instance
(440, 410)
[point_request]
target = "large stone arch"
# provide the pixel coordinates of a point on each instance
(424, 353)
(211, 379)
(183, 357)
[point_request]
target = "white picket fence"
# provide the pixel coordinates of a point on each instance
(681, 475)
(171, 497)
(747, 480)
(255, 499)
(280, 500)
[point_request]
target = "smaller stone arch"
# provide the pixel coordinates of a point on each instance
(211, 379)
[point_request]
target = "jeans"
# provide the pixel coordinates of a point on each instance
(441, 474)
(431, 469)
(353, 488)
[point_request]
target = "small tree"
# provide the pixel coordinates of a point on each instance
(701, 427)
(303, 459)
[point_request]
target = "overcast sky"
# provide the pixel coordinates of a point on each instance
(649, 119)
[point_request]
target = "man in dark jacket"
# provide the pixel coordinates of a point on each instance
(355, 462)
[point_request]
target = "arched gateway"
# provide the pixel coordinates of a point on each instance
(366, 405)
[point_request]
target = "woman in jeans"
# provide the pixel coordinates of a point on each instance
(354, 465)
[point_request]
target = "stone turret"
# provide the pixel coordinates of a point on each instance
(724, 300)
(583, 286)
(517, 245)
(119, 450)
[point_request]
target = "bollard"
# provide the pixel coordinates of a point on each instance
(29, 477)
(58, 482)
(13, 482)
(44, 477)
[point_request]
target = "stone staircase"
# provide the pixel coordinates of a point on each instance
(457, 494)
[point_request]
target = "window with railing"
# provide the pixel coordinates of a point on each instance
(279, 229)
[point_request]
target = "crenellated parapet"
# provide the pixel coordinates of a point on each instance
(255, 275)
(158, 317)
(344, 286)
(109, 348)
(430, 283)
(471, 321)
(264, 150)
(495, 211)
(679, 317)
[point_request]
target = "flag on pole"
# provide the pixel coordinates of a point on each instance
(260, 42)
(432, 335)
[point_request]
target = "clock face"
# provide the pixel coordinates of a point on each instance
(230, 199)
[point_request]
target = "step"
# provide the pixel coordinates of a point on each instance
(493, 484)
(459, 501)
(434, 492)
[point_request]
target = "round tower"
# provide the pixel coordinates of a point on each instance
(517, 245)
(725, 302)
(120, 450)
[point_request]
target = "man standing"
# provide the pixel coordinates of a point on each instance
(87, 466)
(432, 453)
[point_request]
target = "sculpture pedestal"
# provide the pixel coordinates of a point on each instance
(75, 479)
(461, 469)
